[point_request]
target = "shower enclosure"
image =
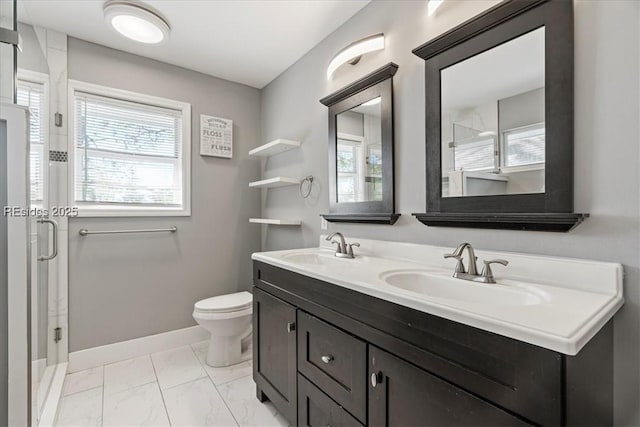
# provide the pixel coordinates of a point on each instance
(34, 305)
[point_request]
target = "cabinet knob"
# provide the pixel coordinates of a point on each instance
(376, 378)
(291, 326)
(327, 359)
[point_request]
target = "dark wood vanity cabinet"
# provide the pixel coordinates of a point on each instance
(327, 355)
(401, 394)
(274, 358)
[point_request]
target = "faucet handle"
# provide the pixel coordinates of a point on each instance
(487, 273)
(350, 246)
(459, 265)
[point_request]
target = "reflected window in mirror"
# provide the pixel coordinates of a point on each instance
(493, 120)
(359, 153)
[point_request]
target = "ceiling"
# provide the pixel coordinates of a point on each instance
(506, 70)
(246, 41)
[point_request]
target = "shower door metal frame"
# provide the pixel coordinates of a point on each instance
(18, 265)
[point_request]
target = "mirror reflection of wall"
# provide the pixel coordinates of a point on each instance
(493, 124)
(359, 153)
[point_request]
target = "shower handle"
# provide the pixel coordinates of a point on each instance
(54, 252)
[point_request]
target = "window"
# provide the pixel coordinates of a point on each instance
(524, 146)
(31, 91)
(349, 167)
(475, 154)
(131, 153)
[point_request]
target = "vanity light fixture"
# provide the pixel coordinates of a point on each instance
(433, 5)
(136, 21)
(354, 52)
(374, 101)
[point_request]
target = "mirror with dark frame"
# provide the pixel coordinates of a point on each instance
(493, 134)
(499, 128)
(361, 150)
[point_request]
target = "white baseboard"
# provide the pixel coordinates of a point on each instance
(51, 406)
(111, 353)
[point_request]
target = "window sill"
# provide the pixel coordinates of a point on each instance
(102, 212)
(525, 168)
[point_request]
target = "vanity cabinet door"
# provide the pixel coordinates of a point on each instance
(274, 351)
(316, 409)
(401, 394)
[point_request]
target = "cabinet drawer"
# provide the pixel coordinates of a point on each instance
(316, 408)
(334, 361)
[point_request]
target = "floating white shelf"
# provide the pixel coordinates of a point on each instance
(275, 221)
(274, 147)
(278, 181)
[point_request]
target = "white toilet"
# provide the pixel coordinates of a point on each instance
(228, 319)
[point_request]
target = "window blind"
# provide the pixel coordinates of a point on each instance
(127, 153)
(525, 146)
(475, 154)
(32, 95)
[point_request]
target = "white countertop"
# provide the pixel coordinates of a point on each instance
(573, 299)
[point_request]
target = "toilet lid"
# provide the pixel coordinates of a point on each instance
(225, 303)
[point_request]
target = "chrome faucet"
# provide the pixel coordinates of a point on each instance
(344, 249)
(486, 276)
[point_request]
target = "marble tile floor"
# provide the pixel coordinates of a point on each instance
(170, 388)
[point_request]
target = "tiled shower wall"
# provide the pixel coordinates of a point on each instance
(54, 45)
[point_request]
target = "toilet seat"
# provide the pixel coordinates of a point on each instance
(231, 303)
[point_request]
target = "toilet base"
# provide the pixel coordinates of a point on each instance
(224, 351)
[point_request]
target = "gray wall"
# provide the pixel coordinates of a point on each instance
(521, 110)
(128, 286)
(351, 123)
(606, 149)
(31, 57)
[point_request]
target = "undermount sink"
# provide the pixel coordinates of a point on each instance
(437, 286)
(307, 258)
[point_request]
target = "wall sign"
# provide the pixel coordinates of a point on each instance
(216, 136)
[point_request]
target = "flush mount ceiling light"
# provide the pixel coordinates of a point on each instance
(354, 51)
(136, 21)
(433, 5)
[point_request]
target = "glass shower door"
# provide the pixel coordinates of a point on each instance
(43, 241)
(43, 249)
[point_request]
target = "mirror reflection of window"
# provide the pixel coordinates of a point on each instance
(359, 153)
(348, 159)
(524, 146)
(493, 123)
(374, 172)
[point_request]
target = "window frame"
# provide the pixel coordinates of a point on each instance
(97, 210)
(35, 77)
(357, 142)
(504, 152)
